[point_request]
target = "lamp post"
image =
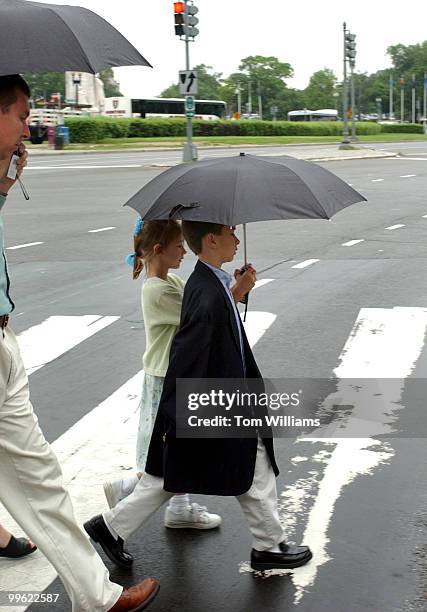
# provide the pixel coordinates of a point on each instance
(379, 108)
(77, 79)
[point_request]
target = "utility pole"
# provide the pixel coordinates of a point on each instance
(259, 101)
(185, 28)
(425, 102)
(413, 99)
(402, 99)
(239, 99)
(250, 97)
(353, 105)
(390, 85)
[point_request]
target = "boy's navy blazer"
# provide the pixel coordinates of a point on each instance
(206, 346)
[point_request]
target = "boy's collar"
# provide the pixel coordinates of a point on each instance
(223, 275)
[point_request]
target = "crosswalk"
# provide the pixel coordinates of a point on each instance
(89, 454)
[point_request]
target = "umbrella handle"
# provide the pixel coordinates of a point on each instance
(245, 248)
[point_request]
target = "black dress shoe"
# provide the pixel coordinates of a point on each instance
(290, 557)
(99, 532)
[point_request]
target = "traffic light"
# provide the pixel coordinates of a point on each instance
(350, 48)
(185, 19)
(192, 20)
(179, 10)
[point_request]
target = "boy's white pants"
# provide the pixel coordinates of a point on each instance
(259, 505)
(31, 490)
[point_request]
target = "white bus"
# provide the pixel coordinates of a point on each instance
(162, 107)
(324, 114)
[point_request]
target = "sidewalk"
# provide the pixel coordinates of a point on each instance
(310, 152)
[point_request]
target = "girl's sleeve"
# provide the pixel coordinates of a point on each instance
(169, 306)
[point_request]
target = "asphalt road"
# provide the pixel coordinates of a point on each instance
(361, 506)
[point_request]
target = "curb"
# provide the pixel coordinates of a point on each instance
(50, 153)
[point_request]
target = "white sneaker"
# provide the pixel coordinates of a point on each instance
(193, 517)
(114, 492)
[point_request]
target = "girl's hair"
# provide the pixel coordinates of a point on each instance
(152, 233)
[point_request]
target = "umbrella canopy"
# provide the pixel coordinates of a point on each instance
(37, 37)
(243, 189)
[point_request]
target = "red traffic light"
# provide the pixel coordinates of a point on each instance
(179, 7)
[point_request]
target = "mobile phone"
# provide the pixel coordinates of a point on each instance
(12, 170)
(12, 173)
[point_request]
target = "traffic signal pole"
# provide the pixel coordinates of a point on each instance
(190, 150)
(345, 136)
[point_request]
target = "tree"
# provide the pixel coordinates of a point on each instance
(111, 86)
(262, 76)
(209, 84)
(319, 93)
(407, 61)
(44, 84)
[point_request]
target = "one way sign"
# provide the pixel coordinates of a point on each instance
(188, 82)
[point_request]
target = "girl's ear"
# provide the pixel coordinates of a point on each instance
(157, 249)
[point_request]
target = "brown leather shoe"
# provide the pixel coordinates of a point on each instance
(137, 597)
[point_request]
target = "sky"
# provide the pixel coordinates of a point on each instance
(307, 34)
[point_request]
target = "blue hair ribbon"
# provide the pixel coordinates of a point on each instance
(130, 259)
(139, 224)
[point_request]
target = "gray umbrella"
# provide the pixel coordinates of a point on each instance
(243, 189)
(37, 37)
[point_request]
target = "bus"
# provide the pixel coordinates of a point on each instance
(324, 114)
(162, 107)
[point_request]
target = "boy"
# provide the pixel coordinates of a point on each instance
(210, 343)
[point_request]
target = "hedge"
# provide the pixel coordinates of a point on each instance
(96, 129)
(402, 128)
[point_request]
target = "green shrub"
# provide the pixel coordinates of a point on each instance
(402, 128)
(83, 129)
(154, 128)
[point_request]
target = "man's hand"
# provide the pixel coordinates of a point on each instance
(244, 283)
(6, 183)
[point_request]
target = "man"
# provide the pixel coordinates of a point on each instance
(30, 476)
(210, 343)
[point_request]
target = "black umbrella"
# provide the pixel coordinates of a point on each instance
(242, 189)
(37, 37)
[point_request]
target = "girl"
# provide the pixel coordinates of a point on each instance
(159, 248)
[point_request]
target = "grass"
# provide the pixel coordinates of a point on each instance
(113, 144)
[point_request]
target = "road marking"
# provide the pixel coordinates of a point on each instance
(23, 246)
(47, 341)
(101, 229)
(83, 167)
(89, 455)
(369, 353)
(257, 323)
(424, 216)
(377, 180)
(407, 175)
(262, 282)
(306, 263)
(410, 158)
(352, 242)
(393, 227)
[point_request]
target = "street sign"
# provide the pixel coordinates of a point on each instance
(190, 106)
(188, 83)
